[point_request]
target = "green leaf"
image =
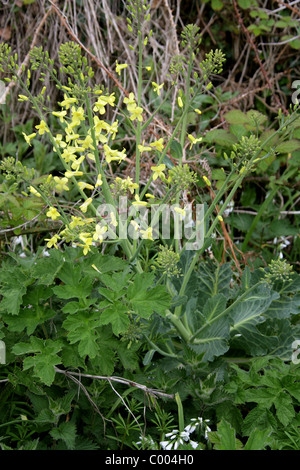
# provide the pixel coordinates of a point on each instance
(245, 4)
(288, 146)
(258, 418)
(46, 269)
(45, 357)
(211, 280)
(104, 263)
(217, 5)
(247, 314)
(176, 149)
(224, 438)
(117, 316)
(81, 290)
(67, 432)
(82, 328)
(211, 338)
(236, 117)
(220, 137)
(146, 299)
(284, 408)
(258, 439)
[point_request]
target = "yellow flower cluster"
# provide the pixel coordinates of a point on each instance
(134, 110)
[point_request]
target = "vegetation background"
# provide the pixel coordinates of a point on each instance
(252, 402)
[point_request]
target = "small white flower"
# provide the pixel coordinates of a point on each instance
(194, 444)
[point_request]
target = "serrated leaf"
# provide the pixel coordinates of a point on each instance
(258, 418)
(117, 316)
(236, 117)
(288, 146)
(220, 137)
(284, 408)
(258, 439)
(81, 328)
(46, 269)
(224, 438)
(45, 357)
(145, 298)
(67, 432)
(81, 290)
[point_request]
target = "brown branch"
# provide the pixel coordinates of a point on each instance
(289, 7)
(254, 48)
(151, 391)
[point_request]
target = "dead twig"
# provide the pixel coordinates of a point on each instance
(130, 383)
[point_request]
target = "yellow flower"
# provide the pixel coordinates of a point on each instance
(120, 67)
(61, 184)
(70, 135)
(207, 181)
(220, 218)
(180, 211)
(130, 184)
(77, 115)
(60, 115)
(100, 231)
(149, 196)
(130, 102)
(86, 248)
(113, 155)
(23, 98)
(52, 241)
(68, 154)
(138, 202)
(147, 234)
(142, 148)
(99, 181)
(157, 87)
(76, 222)
(113, 219)
(82, 185)
(53, 213)
(87, 143)
(70, 174)
(67, 101)
(135, 225)
(59, 142)
(158, 171)
(42, 127)
(87, 240)
(29, 137)
(76, 164)
(193, 140)
(158, 144)
(179, 101)
(113, 129)
(86, 204)
(34, 191)
(197, 111)
(102, 102)
(136, 113)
